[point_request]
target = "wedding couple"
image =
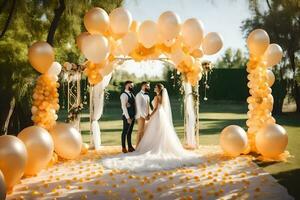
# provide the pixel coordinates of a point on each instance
(158, 146)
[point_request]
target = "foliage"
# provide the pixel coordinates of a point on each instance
(281, 19)
(232, 59)
(31, 22)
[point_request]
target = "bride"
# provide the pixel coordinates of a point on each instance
(160, 147)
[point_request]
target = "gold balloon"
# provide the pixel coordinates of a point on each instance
(258, 41)
(95, 48)
(85, 148)
(197, 53)
(192, 33)
(273, 55)
(40, 147)
(2, 187)
(67, 140)
(233, 140)
(129, 42)
(148, 34)
(80, 38)
(96, 21)
(169, 25)
(13, 158)
(271, 141)
(120, 20)
(212, 43)
(271, 78)
(134, 26)
(41, 56)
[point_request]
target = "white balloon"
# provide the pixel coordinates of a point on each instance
(148, 33)
(120, 20)
(55, 69)
(95, 48)
(192, 33)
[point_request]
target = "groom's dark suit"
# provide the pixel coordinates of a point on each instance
(127, 128)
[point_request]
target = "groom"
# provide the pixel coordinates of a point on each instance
(143, 109)
(129, 111)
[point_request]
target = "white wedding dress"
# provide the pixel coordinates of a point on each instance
(160, 147)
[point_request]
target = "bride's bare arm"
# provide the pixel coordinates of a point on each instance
(157, 101)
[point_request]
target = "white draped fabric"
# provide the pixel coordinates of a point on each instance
(96, 111)
(190, 115)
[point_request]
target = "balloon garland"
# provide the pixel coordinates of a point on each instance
(117, 34)
(264, 135)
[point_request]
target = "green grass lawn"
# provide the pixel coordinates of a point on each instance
(213, 118)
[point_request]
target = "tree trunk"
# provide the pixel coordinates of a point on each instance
(54, 24)
(295, 86)
(9, 18)
(297, 95)
(10, 112)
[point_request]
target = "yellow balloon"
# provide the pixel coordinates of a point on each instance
(271, 78)
(120, 20)
(85, 148)
(148, 34)
(192, 33)
(273, 55)
(168, 25)
(96, 21)
(134, 27)
(258, 41)
(95, 48)
(67, 140)
(271, 141)
(197, 53)
(212, 43)
(2, 187)
(80, 38)
(233, 140)
(13, 158)
(129, 42)
(39, 146)
(41, 56)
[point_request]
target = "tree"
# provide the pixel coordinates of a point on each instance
(21, 24)
(281, 20)
(232, 59)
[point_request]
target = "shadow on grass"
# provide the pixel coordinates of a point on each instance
(290, 180)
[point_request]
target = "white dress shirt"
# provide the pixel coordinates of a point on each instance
(142, 102)
(124, 103)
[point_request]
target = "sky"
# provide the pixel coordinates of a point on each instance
(222, 16)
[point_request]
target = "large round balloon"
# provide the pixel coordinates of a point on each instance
(2, 187)
(212, 43)
(258, 41)
(148, 34)
(120, 20)
(13, 158)
(129, 42)
(168, 25)
(41, 56)
(273, 55)
(67, 140)
(192, 33)
(96, 21)
(95, 48)
(271, 77)
(271, 141)
(233, 140)
(40, 147)
(55, 69)
(80, 38)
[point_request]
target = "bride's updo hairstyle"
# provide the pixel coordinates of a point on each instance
(160, 88)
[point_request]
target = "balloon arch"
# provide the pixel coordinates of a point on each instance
(115, 37)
